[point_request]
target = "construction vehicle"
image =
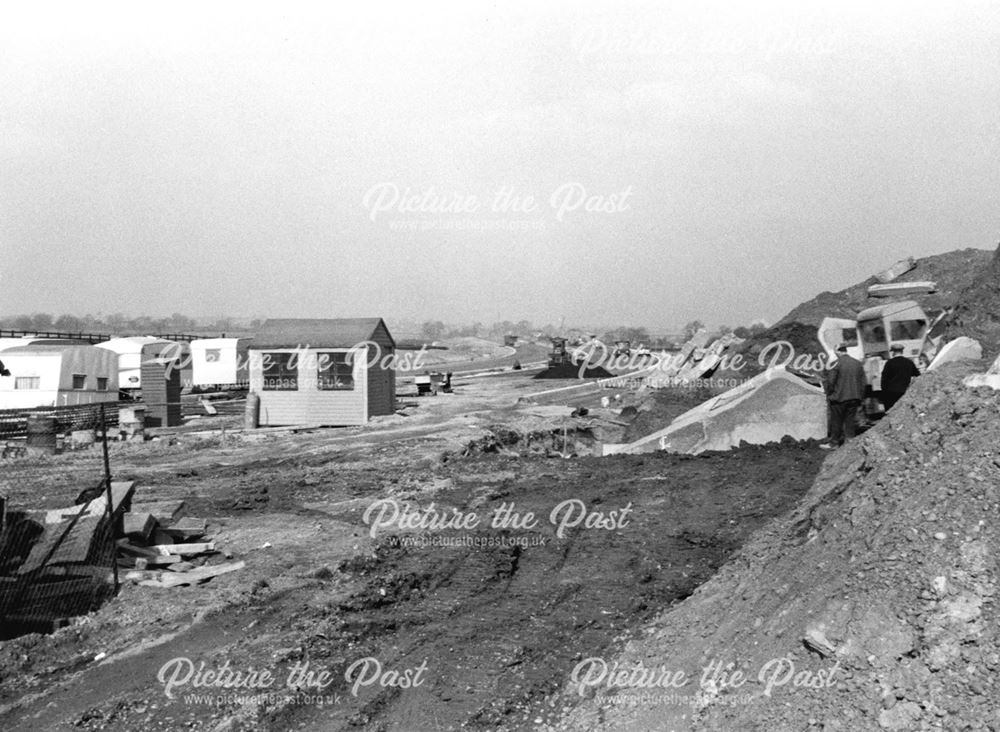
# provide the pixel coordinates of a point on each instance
(558, 355)
(876, 330)
(429, 384)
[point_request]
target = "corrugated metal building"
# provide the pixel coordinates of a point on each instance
(328, 371)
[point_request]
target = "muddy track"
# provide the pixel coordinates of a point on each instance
(498, 627)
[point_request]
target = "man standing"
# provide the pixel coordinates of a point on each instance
(896, 376)
(845, 386)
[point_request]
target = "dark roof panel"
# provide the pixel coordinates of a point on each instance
(317, 332)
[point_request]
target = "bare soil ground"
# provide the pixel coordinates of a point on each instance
(497, 622)
(871, 606)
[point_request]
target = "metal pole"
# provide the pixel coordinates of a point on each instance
(111, 512)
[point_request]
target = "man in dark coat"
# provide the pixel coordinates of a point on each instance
(896, 376)
(845, 386)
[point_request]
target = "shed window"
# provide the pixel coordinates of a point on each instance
(213, 355)
(27, 382)
(280, 372)
(102, 383)
(79, 381)
(335, 371)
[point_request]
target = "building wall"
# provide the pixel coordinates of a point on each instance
(161, 383)
(381, 388)
(55, 370)
(231, 368)
(308, 404)
(382, 375)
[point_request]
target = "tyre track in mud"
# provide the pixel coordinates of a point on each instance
(501, 633)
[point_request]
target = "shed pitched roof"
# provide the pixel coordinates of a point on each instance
(318, 332)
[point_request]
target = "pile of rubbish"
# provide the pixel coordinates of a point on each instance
(59, 563)
(164, 549)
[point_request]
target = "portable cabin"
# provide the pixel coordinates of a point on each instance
(129, 351)
(53, 374)
(219, 361)
(333, 372)
(8, 343)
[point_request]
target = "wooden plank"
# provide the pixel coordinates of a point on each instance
(137, 575)
(121, 493)
(61, 545)
(164, 511)
(139, 525)
(194, 576)
(187, 528)
(190, 548)
(153, 558)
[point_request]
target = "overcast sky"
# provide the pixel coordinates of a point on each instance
(699, 160)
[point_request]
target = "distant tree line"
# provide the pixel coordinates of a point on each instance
(117, 323)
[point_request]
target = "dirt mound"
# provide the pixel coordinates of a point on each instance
(661, 408)
(872, 605)
(571, 371)
(760, 352)
(977, 313)
(953, 272)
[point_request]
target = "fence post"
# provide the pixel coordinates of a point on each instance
(111, 507)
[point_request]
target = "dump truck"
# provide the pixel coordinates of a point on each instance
(876, 330)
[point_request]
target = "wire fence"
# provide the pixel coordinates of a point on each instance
(60, 517)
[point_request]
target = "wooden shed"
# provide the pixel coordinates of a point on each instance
(335, 372)
(50, 374)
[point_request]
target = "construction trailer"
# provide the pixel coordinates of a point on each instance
(326, 371)
(7, 343)
(54, 374)
(129, 352)
(219, 362)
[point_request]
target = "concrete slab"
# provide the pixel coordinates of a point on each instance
(962, 348)
(772, 405)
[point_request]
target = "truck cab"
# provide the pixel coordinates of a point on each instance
(875, 331)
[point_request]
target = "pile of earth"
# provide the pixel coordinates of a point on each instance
(572, 371)
(795, 345)
(871, 605)
(977, 313)
(661, 407)
(954, 272)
